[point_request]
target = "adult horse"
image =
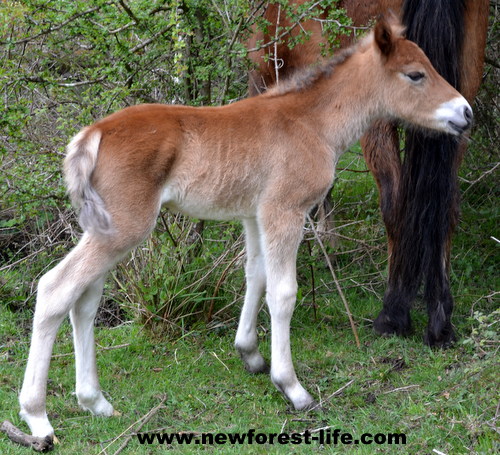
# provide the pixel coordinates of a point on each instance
(251, 160)
(419, 197)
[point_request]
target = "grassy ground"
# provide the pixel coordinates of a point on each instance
(445, 401)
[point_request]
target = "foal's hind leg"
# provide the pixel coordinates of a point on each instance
(246, 337)
(82, 317)
(282, 234)
(75, 284)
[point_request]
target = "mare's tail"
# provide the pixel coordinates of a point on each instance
(428, 203)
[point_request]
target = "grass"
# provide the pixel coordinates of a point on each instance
(444, 400)
(441, 400)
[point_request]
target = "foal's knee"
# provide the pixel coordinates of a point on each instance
(281, 298)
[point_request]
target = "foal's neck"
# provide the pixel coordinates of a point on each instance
(343, 105)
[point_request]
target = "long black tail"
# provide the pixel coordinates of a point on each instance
(428, 201)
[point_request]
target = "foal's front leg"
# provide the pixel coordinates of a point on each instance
(282, 237)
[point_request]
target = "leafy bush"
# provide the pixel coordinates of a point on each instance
(67, 64)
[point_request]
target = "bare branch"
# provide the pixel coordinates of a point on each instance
(129, 12)
(120, 29)
(150, 40)
(287, 31)
(64, 84)
(26, 440)
(58, 27)
(481, 177)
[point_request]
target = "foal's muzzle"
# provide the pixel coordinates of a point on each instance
(455, 116)
(468, 116)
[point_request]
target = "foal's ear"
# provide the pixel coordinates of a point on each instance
(384, 37)
(387, 31)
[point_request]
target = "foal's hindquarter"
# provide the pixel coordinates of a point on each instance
(266, 161)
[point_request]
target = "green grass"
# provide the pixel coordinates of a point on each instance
(445, 400)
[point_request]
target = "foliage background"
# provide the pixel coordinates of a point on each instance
(66, 64)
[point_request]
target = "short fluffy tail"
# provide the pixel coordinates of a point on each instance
(79, 164)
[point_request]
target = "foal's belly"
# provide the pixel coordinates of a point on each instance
(209, 203)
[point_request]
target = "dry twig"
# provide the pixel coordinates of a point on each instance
(337, 284)
(140, 423)
(26, 440)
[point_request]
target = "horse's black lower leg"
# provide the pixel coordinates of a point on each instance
(439, 300)
(404, 277)
(394, 319)
(439, 331)
(382, 154)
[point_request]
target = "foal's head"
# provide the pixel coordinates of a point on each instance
(416, 92)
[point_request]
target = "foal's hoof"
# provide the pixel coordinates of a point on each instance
(300, 399)
(254, 363)
(263, 368)
(386, 326)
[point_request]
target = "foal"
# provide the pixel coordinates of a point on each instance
(265, 160)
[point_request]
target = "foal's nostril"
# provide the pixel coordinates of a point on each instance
(468, 114)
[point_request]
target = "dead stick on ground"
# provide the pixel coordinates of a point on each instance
(26, 440)
(142, 421)
(337, 392)
(339, 289)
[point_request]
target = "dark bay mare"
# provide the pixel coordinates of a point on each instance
(419, 197)
(266, 160)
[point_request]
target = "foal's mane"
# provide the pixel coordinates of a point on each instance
(306, 78)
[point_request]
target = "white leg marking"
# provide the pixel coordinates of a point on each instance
(82, 317)
(58, 291)
(281, 295)
(246, 337)
(53, 304)
(282, 241)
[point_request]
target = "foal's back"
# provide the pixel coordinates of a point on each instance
(209, 163)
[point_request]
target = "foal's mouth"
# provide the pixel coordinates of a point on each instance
(460, 129)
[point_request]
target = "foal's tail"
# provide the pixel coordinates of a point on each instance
(79, 164)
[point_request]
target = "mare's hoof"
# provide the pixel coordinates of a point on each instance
(386, 326)
(443, 340)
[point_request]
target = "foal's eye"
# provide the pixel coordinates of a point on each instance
(415, 76)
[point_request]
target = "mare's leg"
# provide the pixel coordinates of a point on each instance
(382, 155)
(282, 233)
(381, 149)
(246, 337)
